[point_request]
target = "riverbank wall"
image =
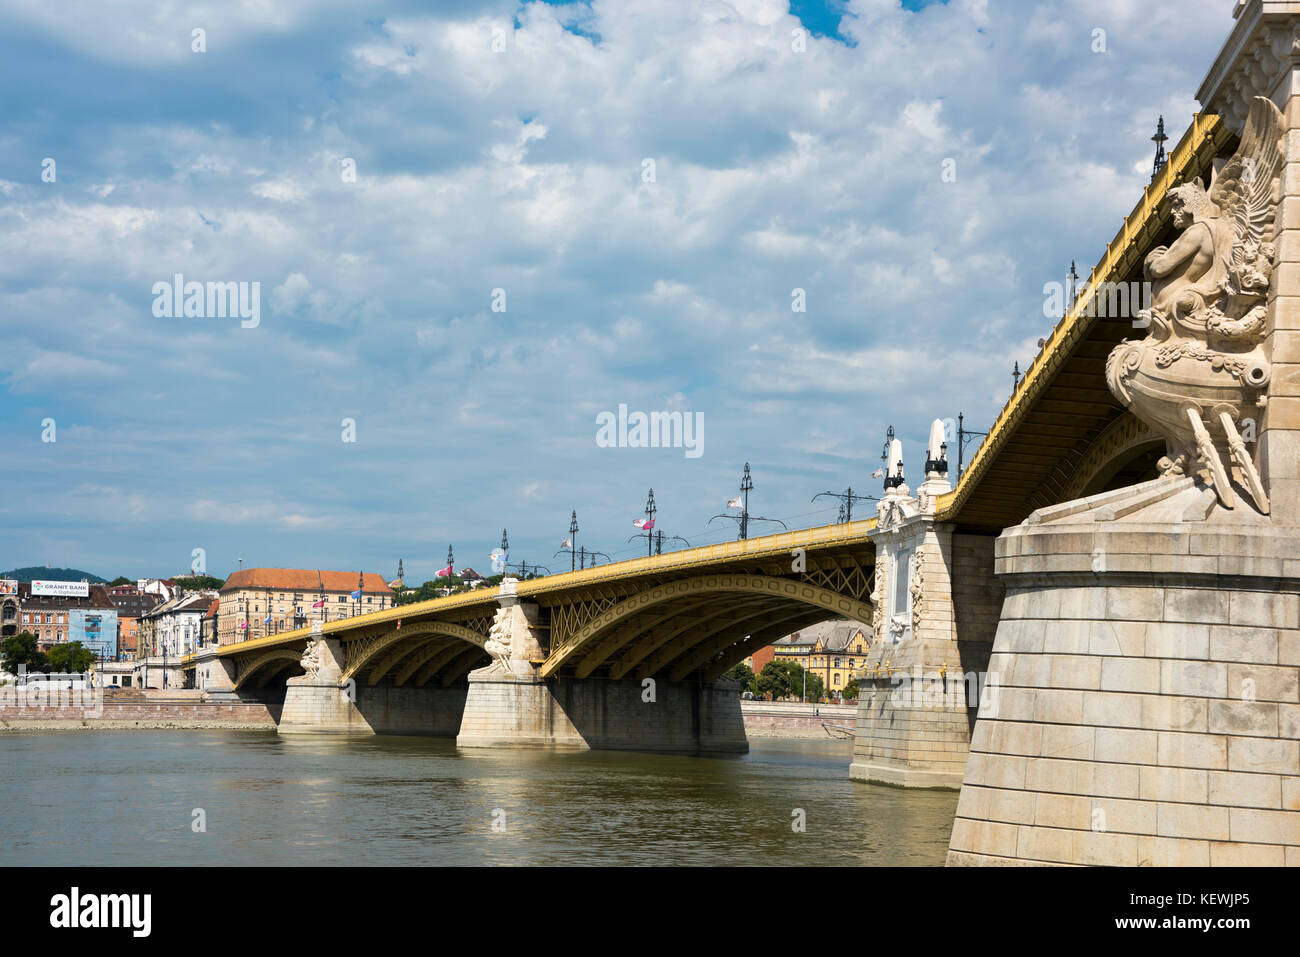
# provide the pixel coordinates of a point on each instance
(140, 714)
(763, 719)
(779, 719)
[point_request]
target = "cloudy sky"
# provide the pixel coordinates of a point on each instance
(647, 183)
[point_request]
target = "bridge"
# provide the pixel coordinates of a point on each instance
(1061, 635)
(688, 616)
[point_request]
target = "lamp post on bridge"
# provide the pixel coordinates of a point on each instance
(523, 567)
(658, 538)
(647, 524)
(847, 498)
(742, 502)
(573, 537)
(1159, 140)
(964, 435)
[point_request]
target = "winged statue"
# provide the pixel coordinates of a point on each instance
(1201, 369)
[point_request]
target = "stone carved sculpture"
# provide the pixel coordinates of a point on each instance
(878, 614)
(1201, 369)
(917, 591)
(313, 656)
(498, 643)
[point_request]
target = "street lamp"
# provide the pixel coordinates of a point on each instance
(649, 524)
(658, 539)
(567, 544)
(964, 435)
(847, 498)
(523, 567)
(742, 502)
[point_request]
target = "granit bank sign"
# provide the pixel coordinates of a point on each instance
(61, 589)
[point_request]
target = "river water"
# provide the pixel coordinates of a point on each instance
(131, 797)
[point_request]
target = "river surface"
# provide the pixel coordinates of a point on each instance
(130, 798)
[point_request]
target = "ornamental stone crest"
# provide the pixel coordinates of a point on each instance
(878, 616)
(917, 590)
(1202, 369)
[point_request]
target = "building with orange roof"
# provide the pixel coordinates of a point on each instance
(256, 602)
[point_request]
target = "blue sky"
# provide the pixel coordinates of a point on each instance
(522, 170)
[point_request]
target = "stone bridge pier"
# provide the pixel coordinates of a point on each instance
(510, 704)
(323, 701)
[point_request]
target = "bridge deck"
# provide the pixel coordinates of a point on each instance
(702, 558)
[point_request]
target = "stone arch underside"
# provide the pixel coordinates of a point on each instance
(1126, 441)
(697, 626)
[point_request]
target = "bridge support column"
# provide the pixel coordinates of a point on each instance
(1145, 705)
(517, 709)
(215, 676)
(936, 605)
(320, 703)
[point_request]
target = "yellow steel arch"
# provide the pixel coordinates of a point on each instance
(791, 590)
(375, 646)
(254, 665)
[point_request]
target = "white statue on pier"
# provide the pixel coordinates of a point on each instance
(313, 655)
(499, 644)
(1202, 368)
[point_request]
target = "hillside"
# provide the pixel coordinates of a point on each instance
(52, 574)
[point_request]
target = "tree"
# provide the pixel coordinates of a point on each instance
(784, 679)
(21, 649)
(744, 674)
(70, 657)
(199, 582)
(120, 580)
(851, 690)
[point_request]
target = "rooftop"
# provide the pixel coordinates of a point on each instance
(305, 580)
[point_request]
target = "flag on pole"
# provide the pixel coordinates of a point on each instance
(444, 572)
(318, 604)
(735, 503)
(357, 593)
(566, 544)
(399, 624)
(243, 625)
(878, 473)
(645, 524)
(266, 620)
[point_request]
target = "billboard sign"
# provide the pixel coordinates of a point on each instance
(8, 586)
(61, 589)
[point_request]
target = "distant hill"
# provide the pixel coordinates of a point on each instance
(52, 574)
